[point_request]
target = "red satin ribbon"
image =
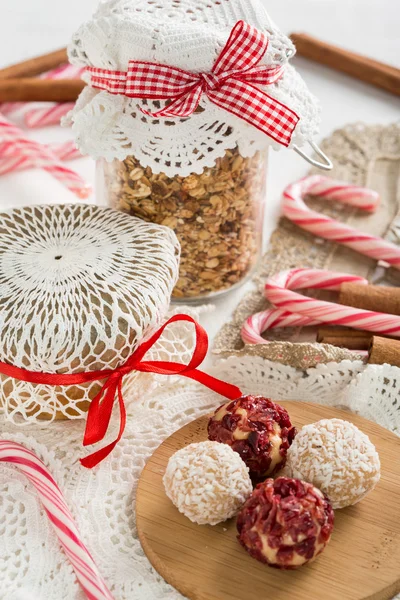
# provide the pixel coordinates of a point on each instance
(101, 407)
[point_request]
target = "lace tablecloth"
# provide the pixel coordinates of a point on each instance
(32, 565)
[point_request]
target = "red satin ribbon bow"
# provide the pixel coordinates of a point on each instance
(232, 85)
(101, 407)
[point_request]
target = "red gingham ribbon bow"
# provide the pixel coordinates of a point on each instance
(232, 85)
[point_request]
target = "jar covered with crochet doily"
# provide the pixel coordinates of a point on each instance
(81, 288)
(184, 100)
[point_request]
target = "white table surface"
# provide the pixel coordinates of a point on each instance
(371, 27)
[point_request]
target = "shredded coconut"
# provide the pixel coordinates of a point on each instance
(337, 457)
(208, 482)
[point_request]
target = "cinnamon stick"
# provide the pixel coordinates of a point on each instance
(341, 332)
(38, 90)
(35, 66)
(344, 337)
(351, 343)
(371, 297)
(360, 67)
(384, 351)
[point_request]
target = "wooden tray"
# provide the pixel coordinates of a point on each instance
(362, 560)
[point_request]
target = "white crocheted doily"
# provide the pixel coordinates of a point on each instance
(32, 564)
(188, 34)
(80, 288)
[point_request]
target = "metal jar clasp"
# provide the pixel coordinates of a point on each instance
(327, 165)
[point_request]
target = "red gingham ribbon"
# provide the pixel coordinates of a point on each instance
(232, 85)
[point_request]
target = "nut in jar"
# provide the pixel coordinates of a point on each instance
(216, 215)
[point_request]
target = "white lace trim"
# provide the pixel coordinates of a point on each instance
(31, 562)
(189, 35)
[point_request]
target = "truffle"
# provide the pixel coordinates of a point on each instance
(285, 523)
(258, 429)
(207, 482)
(338, 458)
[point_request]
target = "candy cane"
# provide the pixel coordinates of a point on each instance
(296, 210)
(64, 151)
(60, 516)
(255, 325)
(50, 115)
(13, 144)
(293, 309)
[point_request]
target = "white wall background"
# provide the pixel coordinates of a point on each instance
(369, 26)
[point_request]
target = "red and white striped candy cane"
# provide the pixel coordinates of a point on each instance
(294, 309)
(272, 318)
(60, 516)
(14, 144)
(295, 209)
(48, 115)
(65, 151)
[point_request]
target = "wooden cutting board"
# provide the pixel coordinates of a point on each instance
(362, 560)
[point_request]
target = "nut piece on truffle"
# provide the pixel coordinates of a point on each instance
(338, 458)
(208, 482)
(285, 523)
(256, 428)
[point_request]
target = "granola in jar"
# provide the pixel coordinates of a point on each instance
(216, 215)
(183, 101)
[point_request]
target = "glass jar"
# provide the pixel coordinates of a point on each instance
(217, 216)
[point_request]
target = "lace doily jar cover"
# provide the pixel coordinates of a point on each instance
(203, 175)
(80, 288)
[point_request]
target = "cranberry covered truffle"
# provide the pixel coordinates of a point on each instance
(256, 428)
(285, 523)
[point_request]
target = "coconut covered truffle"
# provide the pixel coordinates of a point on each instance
(207, 482)
(338, 458)
(259, 430)
(285, 523)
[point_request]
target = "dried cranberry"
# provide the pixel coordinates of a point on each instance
(230, 422)
(258, 429)
(285, 523)
(285, 555)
